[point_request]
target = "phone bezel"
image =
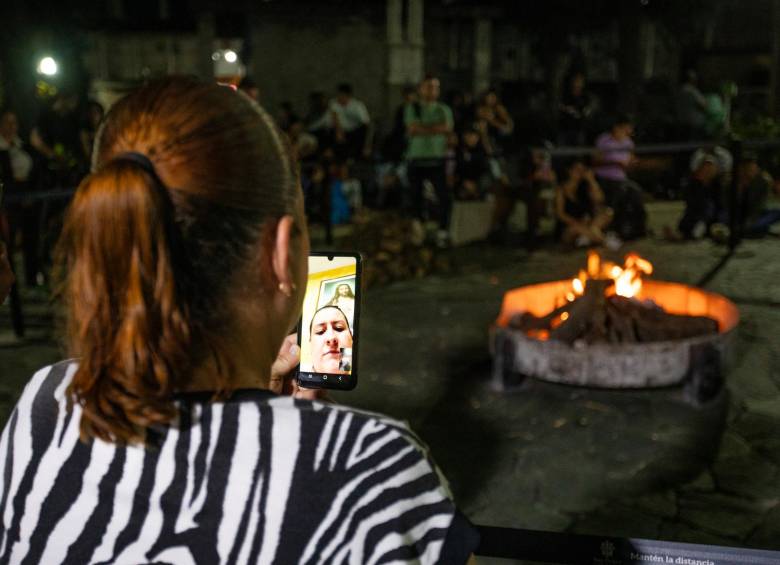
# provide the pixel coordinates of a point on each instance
(338, 383)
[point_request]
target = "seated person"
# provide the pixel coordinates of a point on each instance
(170, 434)
(754, 186)
(614, 158)
(351, 124)
(701, 200)
(472, 165)
(580, 210)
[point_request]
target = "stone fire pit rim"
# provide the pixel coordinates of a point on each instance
(609, 365)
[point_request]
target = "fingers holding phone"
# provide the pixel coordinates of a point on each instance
(283, 373)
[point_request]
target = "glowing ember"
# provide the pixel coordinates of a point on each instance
(627, 278)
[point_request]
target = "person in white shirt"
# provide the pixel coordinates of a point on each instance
(21, 162)
(16, 169)
(351, 124)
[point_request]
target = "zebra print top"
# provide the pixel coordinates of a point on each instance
(256, 479)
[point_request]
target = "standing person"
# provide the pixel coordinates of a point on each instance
(614, 158)
(16, 173)
(168, 437)
(491, 110)
(56, 137)
(574, 111)
(692, 107)
(498, 125)
(429, 124)
(351, 124)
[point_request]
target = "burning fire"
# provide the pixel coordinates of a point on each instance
(627, 279)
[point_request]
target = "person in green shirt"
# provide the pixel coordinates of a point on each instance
(429, 123)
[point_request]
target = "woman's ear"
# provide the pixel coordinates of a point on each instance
(281, 252)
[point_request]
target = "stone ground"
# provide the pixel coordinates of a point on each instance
(550, 457)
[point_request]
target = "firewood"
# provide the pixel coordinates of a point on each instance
(621, 325)
(595, 318)
(527, 321)
(581, 312)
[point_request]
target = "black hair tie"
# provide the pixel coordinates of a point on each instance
(139, 159)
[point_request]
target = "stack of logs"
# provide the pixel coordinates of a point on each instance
(596, 317)
(394, 248)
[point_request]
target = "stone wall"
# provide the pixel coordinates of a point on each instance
(292, 58)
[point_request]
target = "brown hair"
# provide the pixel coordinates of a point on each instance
(149, 253)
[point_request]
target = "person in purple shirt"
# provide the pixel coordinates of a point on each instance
(614, 157)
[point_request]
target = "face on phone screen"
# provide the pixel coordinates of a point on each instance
(328, 326)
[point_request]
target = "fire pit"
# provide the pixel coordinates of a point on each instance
(609, 328)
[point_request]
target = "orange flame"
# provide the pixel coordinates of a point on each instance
(594, 263)
(627, 278)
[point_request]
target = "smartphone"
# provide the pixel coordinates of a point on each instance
(329, 326)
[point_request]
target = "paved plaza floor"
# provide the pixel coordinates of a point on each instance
(639, 463)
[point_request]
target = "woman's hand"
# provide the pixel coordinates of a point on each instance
(6, 274)
(282, 378)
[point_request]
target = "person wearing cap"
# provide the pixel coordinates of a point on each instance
(701, 200)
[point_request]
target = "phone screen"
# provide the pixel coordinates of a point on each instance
(328, 333)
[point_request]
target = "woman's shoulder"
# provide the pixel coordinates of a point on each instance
(323, 410)
(48, 383)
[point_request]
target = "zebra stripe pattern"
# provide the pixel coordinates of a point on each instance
(256, 479)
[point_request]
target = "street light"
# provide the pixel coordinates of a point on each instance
(230, 56)
(47, 66)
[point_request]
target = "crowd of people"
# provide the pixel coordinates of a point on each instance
(56, 154)
(436, 151)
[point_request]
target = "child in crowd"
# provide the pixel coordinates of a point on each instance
(472, 165)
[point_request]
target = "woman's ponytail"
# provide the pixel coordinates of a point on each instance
(125, 287)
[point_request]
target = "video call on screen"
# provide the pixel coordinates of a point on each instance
(327, 335)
